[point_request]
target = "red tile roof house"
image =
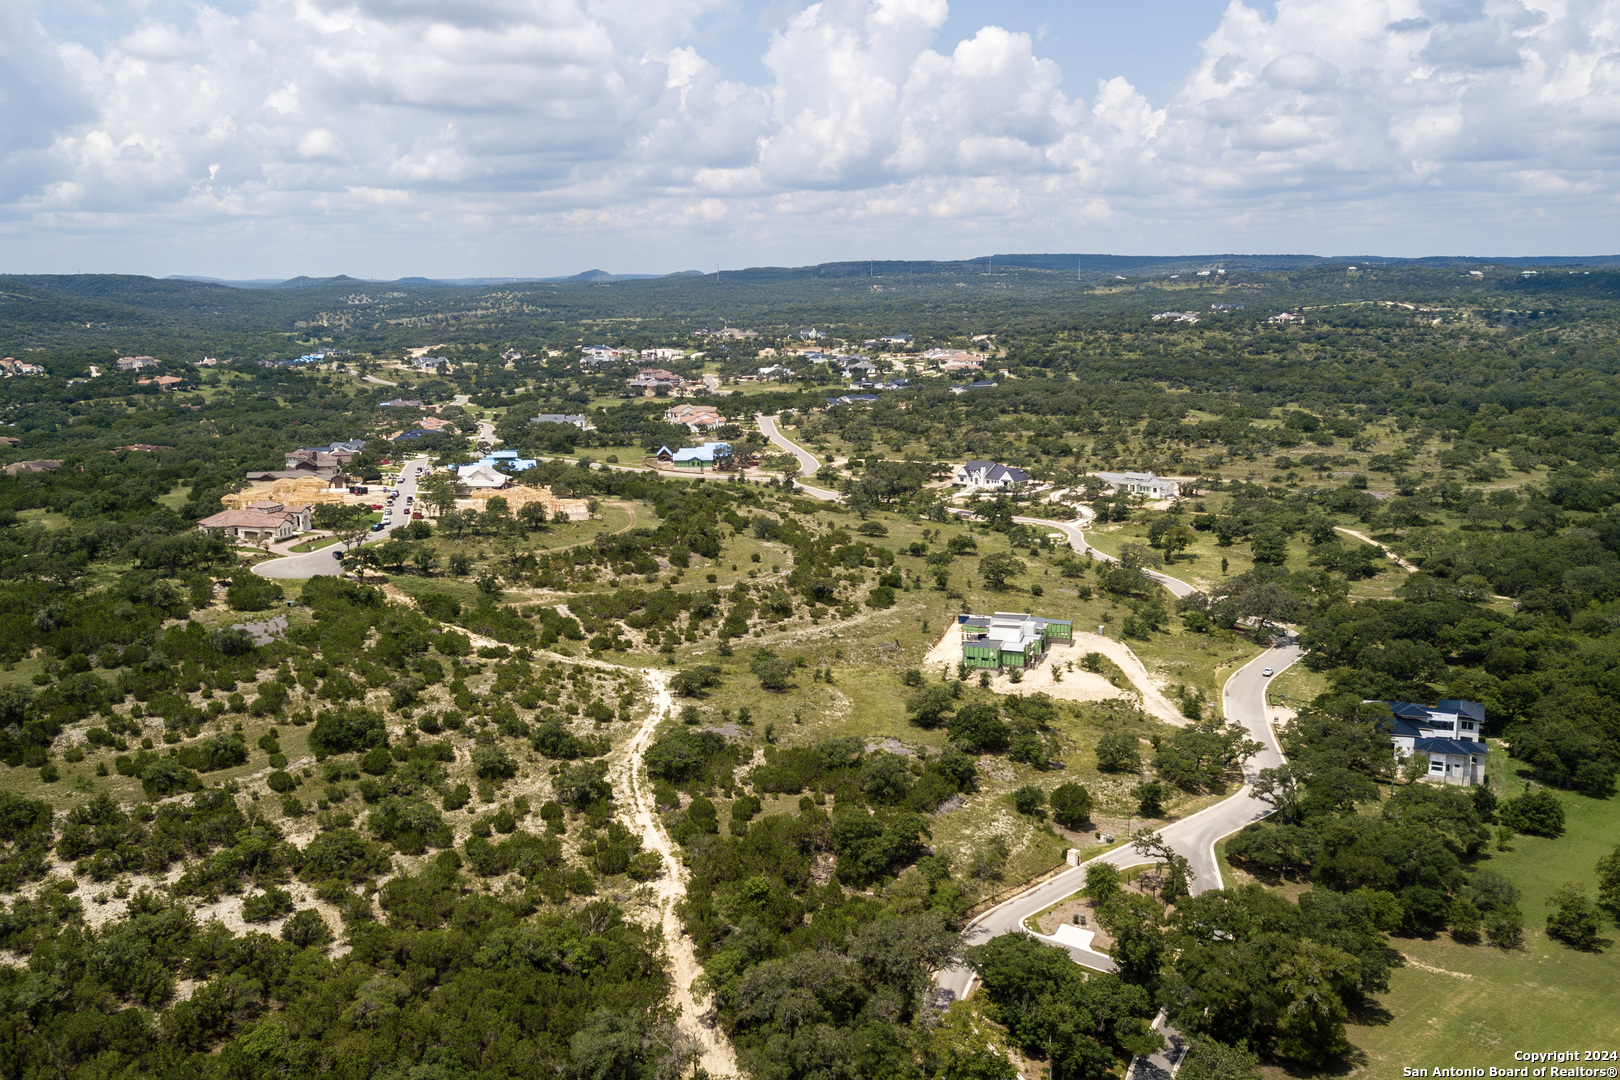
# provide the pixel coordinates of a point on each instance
(162, 382)
(695, 417)
(263, 520)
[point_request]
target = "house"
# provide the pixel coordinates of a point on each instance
(713, 454)
(895, 339)
(651, 380)
(430, 363)
(511, 355)
(481, 476)
(1226, 307)
(776, 372)
(42, 465)
(1451, 733)
(955, 359)
(141, 447)
(162, 382)
(811, 334)
(1286, 317)
(7, 440)
(978, 384)
(852, 399)
(261, 520)
(987, 474)
(136, 363)
(860, 368)
(579, 420)
(12, 366)
(1141, 483)
(1176, 316)
(435, 424)
(1010, 639)
(695, 417)
(662, 354)
(592, 355)
(400, 403)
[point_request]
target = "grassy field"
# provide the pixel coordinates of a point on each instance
(1473, 1006)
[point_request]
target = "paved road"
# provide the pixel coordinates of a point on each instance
(807, 461)
(1193, 837)
(1077, 540)
(319, 562)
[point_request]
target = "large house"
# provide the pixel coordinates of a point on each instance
(695, 417)
(987, 474)
(311, 459)
(1141, 483)
(136, 363)
(481, 475)
(262, 520)
(1451, 733)
(40, 465)
(579, 420)
(651, 380)
(12, 366)
(1009, 639)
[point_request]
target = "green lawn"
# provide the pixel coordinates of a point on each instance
(1461, 1005)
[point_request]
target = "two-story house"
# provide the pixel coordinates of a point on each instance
(1451, 733)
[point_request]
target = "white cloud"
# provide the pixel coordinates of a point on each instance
(599, 126)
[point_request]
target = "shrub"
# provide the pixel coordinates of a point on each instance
(307, 928)
(1537, 812)
(1119, 753)
(1029, 800)
(490, 762)
(270, 904)
(1576, 922)
(166, 777)
(280, 782)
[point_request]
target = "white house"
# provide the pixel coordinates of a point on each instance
(579, 420)
(1140, 483)
(987, 474)
(481, 476)
(1451, 733)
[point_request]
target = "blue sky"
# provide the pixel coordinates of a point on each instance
(248, 138)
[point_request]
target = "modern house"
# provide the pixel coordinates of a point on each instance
(261, 520)
(711, 454)
(1010, 639)
(987, 474)
(400, 403)
(1141, 483)
(579, 420)
(1450, 732)
(136, 363)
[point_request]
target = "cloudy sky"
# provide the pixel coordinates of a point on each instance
(380, 138)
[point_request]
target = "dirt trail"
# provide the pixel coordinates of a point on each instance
(626, 775)
(1365, 539)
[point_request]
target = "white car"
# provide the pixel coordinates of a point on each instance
(1265, 673)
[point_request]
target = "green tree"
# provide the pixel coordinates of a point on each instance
(1071, 804)
(1608, 882)
(998, 569)
(1576, 920)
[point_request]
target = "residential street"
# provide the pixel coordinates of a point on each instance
(1194, 837)
(314, 563)
(1077, 540)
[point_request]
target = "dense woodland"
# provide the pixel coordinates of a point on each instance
(449, 816)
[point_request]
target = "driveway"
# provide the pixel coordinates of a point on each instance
(807, 461)
(1077, 540)
(316, 563)
(1244, 701)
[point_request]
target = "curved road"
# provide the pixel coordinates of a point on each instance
(315, 563)
(1077, 540)
(807, 461)
(1194, 837)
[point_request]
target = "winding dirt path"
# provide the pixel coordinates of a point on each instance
(1365, 539)
(627, 776)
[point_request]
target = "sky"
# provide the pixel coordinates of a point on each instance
(469, 138)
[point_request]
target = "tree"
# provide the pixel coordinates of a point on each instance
(440, 491)
(1576, 921)
(1537, 812)
(1028, 800)
(1071, 804)
(1175, 540)
(1118, 753)
(998, 569)
(1207, 1059)
(1102, 883)
(931, 706)
(1608, 882)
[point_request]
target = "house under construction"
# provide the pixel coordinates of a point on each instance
(1010, 639)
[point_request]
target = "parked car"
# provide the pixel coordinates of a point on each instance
(376, 526)
(337, 554)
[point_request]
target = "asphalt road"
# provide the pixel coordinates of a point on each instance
(1193, 837)
(807, 461)
(1077, 540)
(318, 562)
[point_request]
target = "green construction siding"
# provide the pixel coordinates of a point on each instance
(1009, 658)
(987, 656)
(1058, 631)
